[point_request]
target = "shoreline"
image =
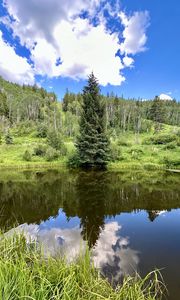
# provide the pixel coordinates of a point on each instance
(111, 166)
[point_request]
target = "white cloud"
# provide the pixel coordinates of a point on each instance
(134, 33)
(53, 30)
(93, 51)
(13, 67)
(165, 97)
(38, 19)
(128, 61)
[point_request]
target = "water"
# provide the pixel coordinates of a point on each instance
(130, 219)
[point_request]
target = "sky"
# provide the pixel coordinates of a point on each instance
(132, 46)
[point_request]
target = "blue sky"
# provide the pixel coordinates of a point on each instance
(132, 46)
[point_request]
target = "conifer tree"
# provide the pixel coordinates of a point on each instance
(93, 144)
(157, 113)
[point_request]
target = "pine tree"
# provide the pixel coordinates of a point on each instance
(157, 113)
(93, 144)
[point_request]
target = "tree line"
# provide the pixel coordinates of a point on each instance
(34, 106)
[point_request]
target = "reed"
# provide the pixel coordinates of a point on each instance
(26, 274)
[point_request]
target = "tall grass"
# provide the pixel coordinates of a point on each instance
(25, 274)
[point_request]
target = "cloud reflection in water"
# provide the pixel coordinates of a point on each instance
(111, 254)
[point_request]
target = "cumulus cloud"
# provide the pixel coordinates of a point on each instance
(14, 67)
(134, 33)
(93, 51)
(33, 19)
(54, 31)
(128, 61)
(165, 97)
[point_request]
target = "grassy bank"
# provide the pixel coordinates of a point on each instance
(147, 151)
(24, 274)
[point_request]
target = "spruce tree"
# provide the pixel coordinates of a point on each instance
(93, 144)
(157, 113)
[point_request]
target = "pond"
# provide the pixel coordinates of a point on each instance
(131, 220)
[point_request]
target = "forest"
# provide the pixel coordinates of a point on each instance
(38, 128)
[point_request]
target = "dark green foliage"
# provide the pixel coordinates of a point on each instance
(55, 140)
(74, 161)
(160, 139)
(25, 127)
(42, 130)
(27, 156)
(93, 144)
(171, 162)
(157, 113)
(4, 110)
(171, 145)
(40, 150)
(8, 139)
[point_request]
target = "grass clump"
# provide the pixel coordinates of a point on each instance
(25, 274)
(27, 156)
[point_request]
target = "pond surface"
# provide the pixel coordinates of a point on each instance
(130, 219)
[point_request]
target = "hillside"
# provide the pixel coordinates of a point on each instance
(35, 128)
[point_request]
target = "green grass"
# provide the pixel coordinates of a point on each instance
(135, 152)
(26, 274)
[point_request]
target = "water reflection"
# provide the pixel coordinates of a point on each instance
(131, 220)
(112, 253)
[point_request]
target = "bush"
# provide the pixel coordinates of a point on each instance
(40, 150)
(161, 139)
(27, 156)
(170, 163)
(123, 142)
(136, 153)
(170, 146)
(42, 131)
(54, 139)
(151, 166)
(73, 161)
(8, 139)
(115, 152)
(25, 128)
(52, 154)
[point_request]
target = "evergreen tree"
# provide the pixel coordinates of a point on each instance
(93, 144)
(157, 113)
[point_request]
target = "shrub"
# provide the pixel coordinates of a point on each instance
(8, 139)
(42, 131)
(52, 154)
(25, 127)
(170, 163)
(150, 166)
(54, 139)
(27, 156)
(73, 161)
(161, 139)
(123, 142)
(115, 152)
(170, 146)
(136, 153)
(40, 150)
